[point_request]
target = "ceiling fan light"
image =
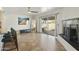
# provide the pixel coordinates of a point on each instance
(29, 12)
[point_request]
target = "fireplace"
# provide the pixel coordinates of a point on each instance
(71, 29)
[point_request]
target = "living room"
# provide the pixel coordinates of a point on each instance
(29, 22)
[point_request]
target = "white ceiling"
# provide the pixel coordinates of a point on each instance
(19, 10)
(24, 10)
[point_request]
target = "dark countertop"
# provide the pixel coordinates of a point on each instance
(72, 43)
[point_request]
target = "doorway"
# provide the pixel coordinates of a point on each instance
(33, 26)
(49, 25)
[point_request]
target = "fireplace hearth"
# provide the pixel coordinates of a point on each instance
(71, 29)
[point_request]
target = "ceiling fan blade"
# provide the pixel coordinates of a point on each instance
(34, 11)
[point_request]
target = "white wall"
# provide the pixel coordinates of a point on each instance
(3, 22)
(39, 25)
(70, 12)
(11, 16)
(12, 21)
(33, 22)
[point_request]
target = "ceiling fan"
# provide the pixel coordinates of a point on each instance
(32, 11)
